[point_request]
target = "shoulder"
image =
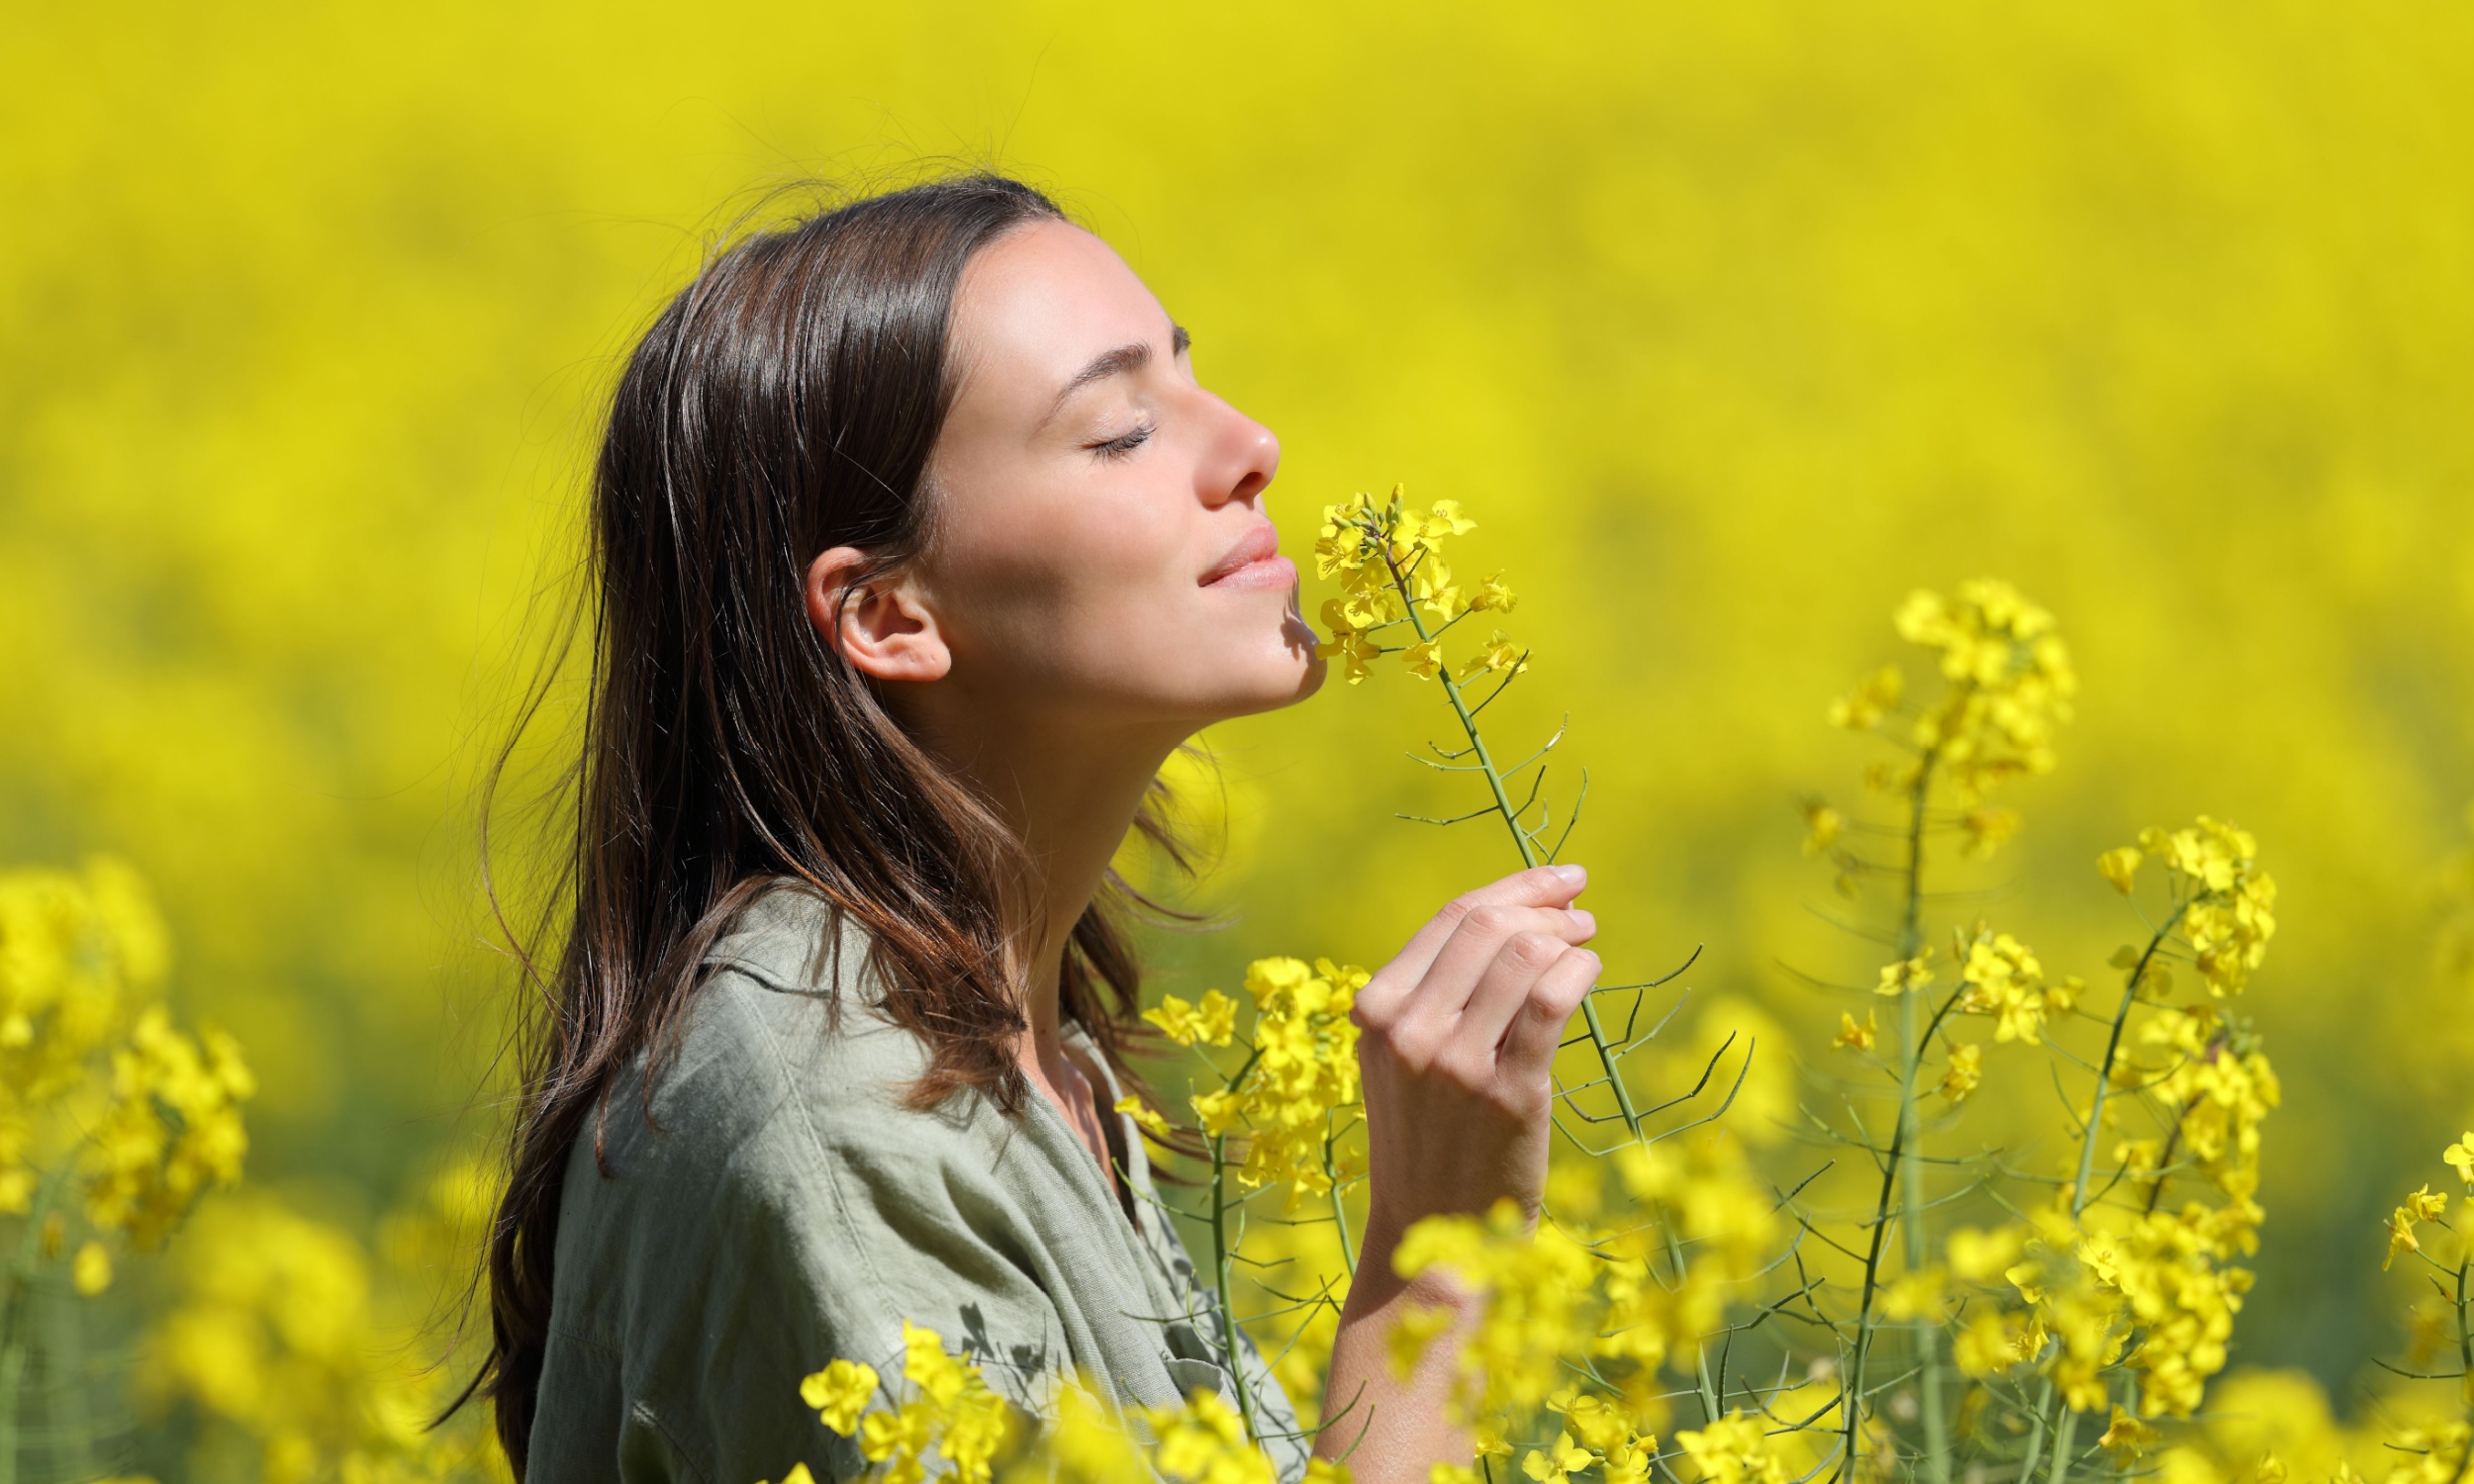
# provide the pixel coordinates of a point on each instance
(775, 1202)
(789, 1005)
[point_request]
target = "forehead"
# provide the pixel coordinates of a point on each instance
(1046, 298)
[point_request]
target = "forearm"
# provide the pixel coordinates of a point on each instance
(1392, 1428)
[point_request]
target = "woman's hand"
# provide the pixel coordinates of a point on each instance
(1457, 1038)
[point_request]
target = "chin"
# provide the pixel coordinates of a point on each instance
(1293, 680)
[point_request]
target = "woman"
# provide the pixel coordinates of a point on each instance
(918, 549)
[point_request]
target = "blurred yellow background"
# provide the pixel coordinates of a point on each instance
(1729, 323)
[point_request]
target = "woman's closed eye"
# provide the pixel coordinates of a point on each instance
(1123, 443)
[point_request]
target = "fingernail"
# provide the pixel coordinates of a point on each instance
(1573, 875)
(1584, 919)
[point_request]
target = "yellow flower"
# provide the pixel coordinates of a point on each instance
(1733, 1451)
(90, 1271)
(1437, 593)
(1146, 1118)
(907, 1430)
(1212, 1022)
(2459, 1157)
(2400, 1237)
(1966, 1070)
(2004, 980)
(1916, 1295)
(1907, 974)
(1980, 1257)
(2423, 1205)
(1822, 827)
(1425, 661)
(1990, 1343)
(1343, 543)
(798, 1475)
(1853, 1036)
(1875, 694)
(1349, 641)
(1494, 596)
(2119, 867)
(1219, 1112)
(1498, 653)
(839, 1393)
(1411, 1333)
(1444, 518)
(1204, 1442)
(1553, 1466)
(1987, 829)
(2128, 1437)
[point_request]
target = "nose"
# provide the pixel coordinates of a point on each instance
(1240, 459)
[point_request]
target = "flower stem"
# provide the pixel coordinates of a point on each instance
(1224, 1262)
(1911, 1171)
(1902, 1171)
(1339, 1206)
(12, 1316)
(2113, 1048)
(2068, 1421)
(1521, 841)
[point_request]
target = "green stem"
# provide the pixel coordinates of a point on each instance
(1339, 1206)
(65, 1367)
(1527, 847)
(2064, 1433)
(2465, 1354)
(2113, 1048)
(2066, 1425)
(1224, 1263)
(1902, 1171)
(13, 1307)
(1911, 1134)
(2036, 1432)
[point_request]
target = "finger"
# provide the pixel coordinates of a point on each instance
(1537, 1029)
(1442, 994)
(1539, 887)
(1501, 990)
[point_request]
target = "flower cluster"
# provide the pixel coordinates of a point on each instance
(1598, 1434)
(95, 1079)
(1734, 1449)
(1304, 1066)
(1538, 1295)
(1703, 1195)
(952, 1414)
(2227, 903)
(2220, 1087)
(1388, 559)
(2004, 980)
(171, 1131)
(279, 1335)
(2009, 685)
(957, 1430)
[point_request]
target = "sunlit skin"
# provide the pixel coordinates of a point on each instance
(1101, 580)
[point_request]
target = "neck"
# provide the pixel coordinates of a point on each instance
(1069, 793)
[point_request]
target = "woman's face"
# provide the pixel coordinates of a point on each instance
(1099, 549)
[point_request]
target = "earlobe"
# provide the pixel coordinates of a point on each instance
(879, 626)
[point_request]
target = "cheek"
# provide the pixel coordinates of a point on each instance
(1062, 570)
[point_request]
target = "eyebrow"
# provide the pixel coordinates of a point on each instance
(1125, 360)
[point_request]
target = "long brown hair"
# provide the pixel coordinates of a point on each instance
(783, 403)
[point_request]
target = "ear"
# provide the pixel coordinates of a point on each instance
(880, 627)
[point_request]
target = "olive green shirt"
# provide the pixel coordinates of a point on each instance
(782, 1208)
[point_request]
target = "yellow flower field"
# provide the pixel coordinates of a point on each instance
(1728, 327)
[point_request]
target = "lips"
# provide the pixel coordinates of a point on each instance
(1259, 547)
